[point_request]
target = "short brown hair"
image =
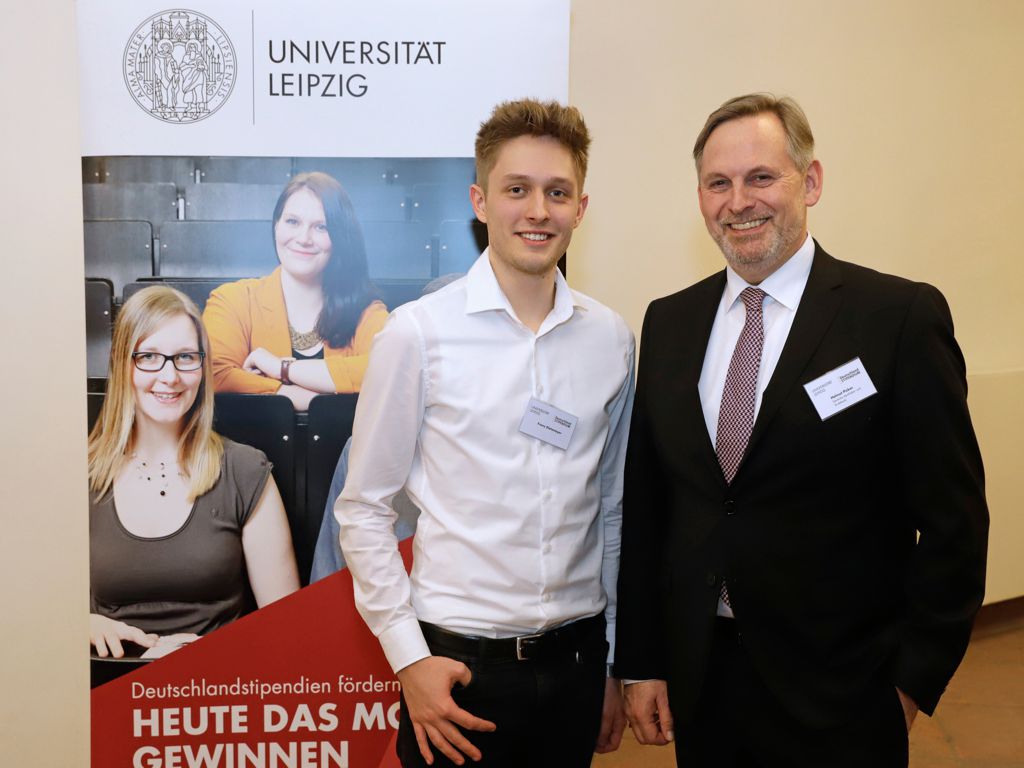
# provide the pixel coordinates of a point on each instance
(529, 117)
(799, 139)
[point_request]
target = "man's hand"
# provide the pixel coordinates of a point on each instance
(427, 687)
(613, 718)
(648, 712)
(909, 708)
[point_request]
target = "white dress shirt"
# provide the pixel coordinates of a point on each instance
(515, 535)
(785, 287)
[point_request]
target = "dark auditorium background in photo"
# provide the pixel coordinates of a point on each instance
(196, 222)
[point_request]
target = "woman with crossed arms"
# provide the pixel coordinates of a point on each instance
(306, 328)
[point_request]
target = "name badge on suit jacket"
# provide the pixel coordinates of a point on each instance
(840, 388)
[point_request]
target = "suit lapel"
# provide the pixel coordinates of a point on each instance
(818, 307)
(697, 325)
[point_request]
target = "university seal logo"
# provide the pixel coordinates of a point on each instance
(179, 66)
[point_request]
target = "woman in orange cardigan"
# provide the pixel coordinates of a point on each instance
(306, 328)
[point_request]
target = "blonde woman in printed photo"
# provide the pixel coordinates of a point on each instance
(187, 529)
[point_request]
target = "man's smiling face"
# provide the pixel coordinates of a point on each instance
(531, 204)
(753, 197)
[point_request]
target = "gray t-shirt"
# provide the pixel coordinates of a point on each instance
(193, 580)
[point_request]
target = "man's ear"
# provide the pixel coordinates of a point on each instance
(581, 209)
(478, 198)
(814, 177)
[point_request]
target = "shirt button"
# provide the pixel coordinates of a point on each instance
(547, 495)
(547, 549)
(540, 390)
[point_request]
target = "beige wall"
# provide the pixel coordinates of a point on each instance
(931, 191)
(44, 598)
(918, 112)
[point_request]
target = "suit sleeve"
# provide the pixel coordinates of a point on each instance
(944, 495)
(640, 652)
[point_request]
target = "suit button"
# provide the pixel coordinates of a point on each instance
(730, 507)
(711, 579)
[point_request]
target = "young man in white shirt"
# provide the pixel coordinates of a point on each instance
(501, 405)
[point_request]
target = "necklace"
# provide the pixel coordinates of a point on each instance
(301, 341)
(155, 472)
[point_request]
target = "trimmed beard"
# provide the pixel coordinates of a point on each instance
(769, 258)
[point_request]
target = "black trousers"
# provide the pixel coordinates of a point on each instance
(547, 711)
(738, 723)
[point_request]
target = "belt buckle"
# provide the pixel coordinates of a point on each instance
(522, 643)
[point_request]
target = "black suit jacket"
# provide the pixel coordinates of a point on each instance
(854, 548)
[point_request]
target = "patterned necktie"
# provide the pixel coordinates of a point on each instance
(736, 416)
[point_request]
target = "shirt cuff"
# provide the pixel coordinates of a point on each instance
(403, 644)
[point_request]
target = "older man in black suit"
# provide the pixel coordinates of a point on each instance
(804, 523)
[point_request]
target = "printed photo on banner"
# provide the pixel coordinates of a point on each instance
(292, 264)
(261, 184)
(231, 304)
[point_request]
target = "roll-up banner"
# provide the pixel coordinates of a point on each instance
(293, 171)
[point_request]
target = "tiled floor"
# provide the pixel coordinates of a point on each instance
(978, 724)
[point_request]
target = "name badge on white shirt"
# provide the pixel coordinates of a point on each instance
(840, 388)
(548, 424)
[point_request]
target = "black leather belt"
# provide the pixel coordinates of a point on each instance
(567, 641)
